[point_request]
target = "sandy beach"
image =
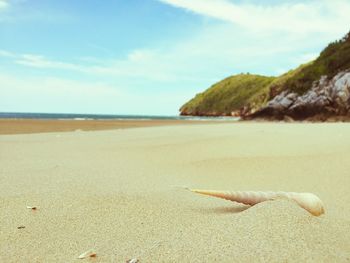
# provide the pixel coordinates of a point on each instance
(120, 193)
(26, 126)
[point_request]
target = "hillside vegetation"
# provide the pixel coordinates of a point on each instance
(333, 59)
(238, 93)
(245, 93)
(226, 96)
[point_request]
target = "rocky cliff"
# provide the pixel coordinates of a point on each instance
(327, 98)
(319, 89)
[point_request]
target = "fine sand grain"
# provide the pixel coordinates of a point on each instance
(116, 193)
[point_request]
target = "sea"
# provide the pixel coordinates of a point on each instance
(74, 116)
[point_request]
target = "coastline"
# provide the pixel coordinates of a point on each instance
(117, 192)
(27, 126)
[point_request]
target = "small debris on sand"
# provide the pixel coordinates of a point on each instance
(21, 227)
(32, 207)
(90, 253)
(134, 260)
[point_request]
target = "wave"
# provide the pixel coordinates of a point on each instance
(82, 117)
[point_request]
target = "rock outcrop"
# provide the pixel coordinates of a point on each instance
(327, 97)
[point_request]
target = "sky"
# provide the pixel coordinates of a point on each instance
(148, 57)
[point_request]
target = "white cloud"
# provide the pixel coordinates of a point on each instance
(39, 61)
(63, 95)
(3, 4)
(49, 94)
(218, 50)
(143, 63)
(4, 53)
(208, 56)
(309, 16)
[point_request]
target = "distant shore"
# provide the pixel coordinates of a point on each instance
(26, 126)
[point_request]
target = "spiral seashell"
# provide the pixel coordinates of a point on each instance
(308, 201)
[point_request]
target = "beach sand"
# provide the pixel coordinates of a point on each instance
(119, 192)
(25, 126)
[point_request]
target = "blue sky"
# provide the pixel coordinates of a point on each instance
(150, 56)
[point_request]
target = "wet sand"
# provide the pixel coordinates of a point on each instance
(119, 192)
(25, 126)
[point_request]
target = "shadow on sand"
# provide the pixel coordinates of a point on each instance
(223, 209)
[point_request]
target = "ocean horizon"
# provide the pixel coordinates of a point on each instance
(88, 116)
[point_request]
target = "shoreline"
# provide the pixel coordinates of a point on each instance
(29, 126)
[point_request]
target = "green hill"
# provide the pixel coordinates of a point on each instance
(237, 93)
(334, 58)
(245, 93)
(230, 94)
